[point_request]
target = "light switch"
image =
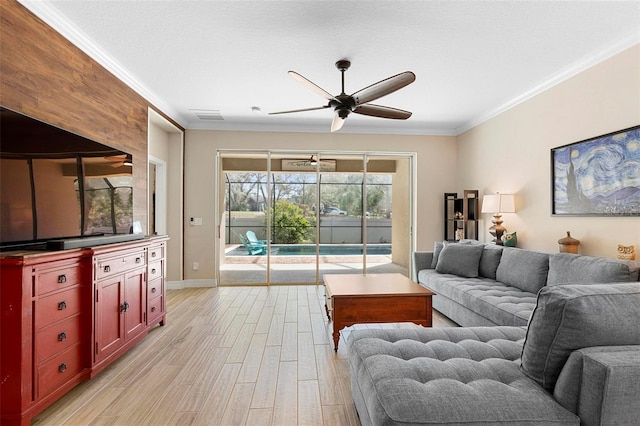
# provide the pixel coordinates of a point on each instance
(196, 221)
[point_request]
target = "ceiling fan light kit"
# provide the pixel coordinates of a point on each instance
(358, 102)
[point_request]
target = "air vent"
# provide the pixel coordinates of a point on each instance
(208, 114)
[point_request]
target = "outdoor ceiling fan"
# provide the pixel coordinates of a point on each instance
(357, 102)
(119, 160)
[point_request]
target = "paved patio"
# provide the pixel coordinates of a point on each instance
(243, 270)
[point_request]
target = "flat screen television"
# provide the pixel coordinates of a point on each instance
(56, 185)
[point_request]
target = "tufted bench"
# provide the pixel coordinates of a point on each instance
(447, 376)
(577, 362)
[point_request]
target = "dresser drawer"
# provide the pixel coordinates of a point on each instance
(156, 270)
(58, 276)
(58, 337)
(106, 267)
(58, 306)
(155, 308)
(155, 288)
(155, 253)
(59, 369)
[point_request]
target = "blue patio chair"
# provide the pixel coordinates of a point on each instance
(251, 236)
(254, 249)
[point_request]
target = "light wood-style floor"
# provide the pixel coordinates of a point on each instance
(227, 356)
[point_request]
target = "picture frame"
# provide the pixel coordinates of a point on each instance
(599, 176)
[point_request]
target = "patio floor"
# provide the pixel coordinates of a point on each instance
(243, 270)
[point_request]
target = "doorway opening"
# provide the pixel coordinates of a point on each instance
(288, 217)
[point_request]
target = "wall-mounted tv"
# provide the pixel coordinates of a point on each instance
(56, 185)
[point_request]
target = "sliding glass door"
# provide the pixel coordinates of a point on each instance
(293, 217)
(243, 199)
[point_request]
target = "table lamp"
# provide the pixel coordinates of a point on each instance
(498, 204)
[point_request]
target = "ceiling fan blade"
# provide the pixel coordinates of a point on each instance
(311, 85)
(382, 111)
(337, 122)
(299, 110)
(383, 87)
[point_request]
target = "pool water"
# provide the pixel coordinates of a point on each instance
(325, 250)
(330, 249)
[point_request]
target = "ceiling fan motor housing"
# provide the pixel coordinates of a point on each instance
(343, 64)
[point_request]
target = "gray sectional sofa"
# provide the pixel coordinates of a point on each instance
(545, 348)
(486, 285)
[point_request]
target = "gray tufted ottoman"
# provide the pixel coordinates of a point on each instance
(452, 376)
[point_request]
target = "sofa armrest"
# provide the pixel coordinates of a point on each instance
(601, 385)
(421, 260)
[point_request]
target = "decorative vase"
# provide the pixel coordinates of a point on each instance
(509, 239)
(568, 244)
(459, 234)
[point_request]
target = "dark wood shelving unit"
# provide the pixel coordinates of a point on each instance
(461, 215)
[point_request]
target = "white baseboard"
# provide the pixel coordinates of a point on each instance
(179, 285)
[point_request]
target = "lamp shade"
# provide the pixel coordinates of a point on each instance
(498, 203)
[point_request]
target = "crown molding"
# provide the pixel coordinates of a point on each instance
(52, 17)
(566, 73)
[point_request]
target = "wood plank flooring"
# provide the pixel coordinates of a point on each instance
(227, 356)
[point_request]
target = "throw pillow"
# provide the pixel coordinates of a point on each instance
(437, 248)
(523, 269)
(460, 259)
(489, 261)
(575, 316)
(567, 268)
(439, 245)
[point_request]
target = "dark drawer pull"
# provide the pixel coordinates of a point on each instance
(153, 309)
(62, 336)
(153, 271)
(124, 307)
(153, 289)
(62, 305)
(107, 268)
(138, 260)
(153, 254)
(62, 367)
(62, 279)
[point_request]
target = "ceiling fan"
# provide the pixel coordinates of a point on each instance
(358, 102)
(119, 160)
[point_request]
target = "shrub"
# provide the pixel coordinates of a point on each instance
(288, 226)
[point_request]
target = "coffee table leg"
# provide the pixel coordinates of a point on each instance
(327, 309)
(336, 337)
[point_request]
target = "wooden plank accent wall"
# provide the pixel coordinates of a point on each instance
(45, 76)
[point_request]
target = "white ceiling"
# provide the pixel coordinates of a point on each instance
(472, 59)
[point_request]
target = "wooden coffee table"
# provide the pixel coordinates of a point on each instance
(374, 298)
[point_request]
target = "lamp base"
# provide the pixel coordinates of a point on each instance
(497, 229)
(496, 232)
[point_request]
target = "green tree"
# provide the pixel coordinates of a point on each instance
(289, 226)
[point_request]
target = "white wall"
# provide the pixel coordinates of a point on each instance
(166, 145)
(511, 154)
(436, 157)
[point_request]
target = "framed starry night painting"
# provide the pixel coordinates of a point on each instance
(598, 176)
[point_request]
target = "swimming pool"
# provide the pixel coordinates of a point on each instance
(325, 250)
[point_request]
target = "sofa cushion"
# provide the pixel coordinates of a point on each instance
(499, 303)
(439, 245)
(567, 268)
(437, 248)
(489, 261)
(574, 316)
(446, 376)
(601, 384)
(460, 259)
(524, 269)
